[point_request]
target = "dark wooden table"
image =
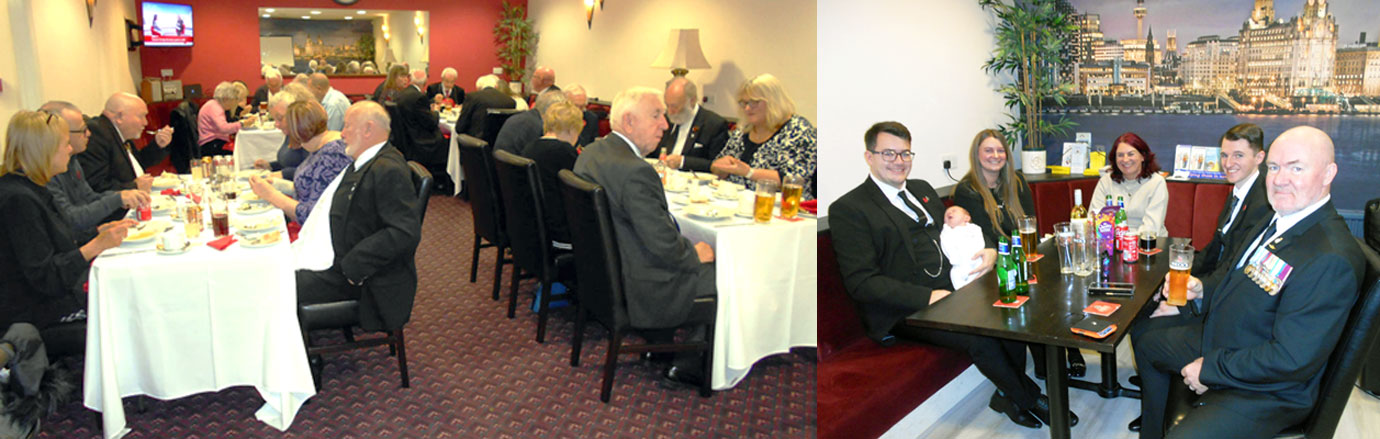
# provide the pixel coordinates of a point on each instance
(1056, 303)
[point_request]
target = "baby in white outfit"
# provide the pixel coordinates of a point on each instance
(961, 240)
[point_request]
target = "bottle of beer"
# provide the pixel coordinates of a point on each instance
(1006, 273)
(1079, 212)
(1022, 267)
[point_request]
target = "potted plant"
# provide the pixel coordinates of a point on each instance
(1030, 35)
(515, 41)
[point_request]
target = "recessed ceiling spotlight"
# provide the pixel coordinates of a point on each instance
(315, 12)
(270, 10)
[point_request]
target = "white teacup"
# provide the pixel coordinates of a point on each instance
(172, 241)
(728, 190)
(746, 198)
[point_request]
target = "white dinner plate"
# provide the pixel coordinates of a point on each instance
(256, 227)
(262, 240)
(707, 212)
(246, 173)
(159, 249)
(253, 207)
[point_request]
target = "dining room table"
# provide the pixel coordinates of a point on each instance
(447, 121)
(765, 275)
(1056, 302)
(260, 141)
(170, 323)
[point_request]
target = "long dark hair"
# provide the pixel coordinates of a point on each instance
(1147, 167)
(1008, 182)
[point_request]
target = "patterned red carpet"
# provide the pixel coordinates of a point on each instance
(477, 374)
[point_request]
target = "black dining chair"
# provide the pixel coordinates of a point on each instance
(533, 255)
(494, 120)
(601, 294)
(1358, 338)
(486, 207)
(345, 314)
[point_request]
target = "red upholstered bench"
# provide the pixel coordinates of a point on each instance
(864, 388)
(1193, 207)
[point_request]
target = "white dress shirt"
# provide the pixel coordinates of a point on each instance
(892, 194)
(1283, 224)
(313, 248)
(1240, 190)
(129, 152)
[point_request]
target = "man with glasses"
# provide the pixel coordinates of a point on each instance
(85, 208)
(887, 243)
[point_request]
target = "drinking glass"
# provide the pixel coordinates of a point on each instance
(766, 197)
(1084, 248)
(192, 220)
(1027, 227)
(1063, 236)
(220, 217)
(792, 187)
(1180, 262)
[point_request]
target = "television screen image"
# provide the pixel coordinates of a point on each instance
(167, 25)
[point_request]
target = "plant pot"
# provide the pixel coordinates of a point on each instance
(1033, 162)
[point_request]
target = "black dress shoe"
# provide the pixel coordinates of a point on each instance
(1134, 425)
(675, 377)
(1077, 368)
(1041, 411)
(1134, 380)
(1001, 404)
(658, 357)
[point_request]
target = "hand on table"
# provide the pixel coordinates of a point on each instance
(1192, 375)
(705, 252)
(111, 234)
(249, 121)
(726, 166)
(989, 258)
(144, 182)
(132, 199)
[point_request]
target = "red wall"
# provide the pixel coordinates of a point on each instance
(227, 41)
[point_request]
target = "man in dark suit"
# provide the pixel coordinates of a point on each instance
(576, 94)
(478, 104)
(446, 89)
(273, 83)
(1243, 153)
(543, 79)
(663, 271)
(85, 209)
(526, 127)
(886, 240)
(422, 130)
(696, 134)
(374, 227)
(1271, 317)
(110, 161)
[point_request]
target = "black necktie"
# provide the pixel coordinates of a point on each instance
(675, 137)
(919, 213)
(1260, 242)
(1231, 202)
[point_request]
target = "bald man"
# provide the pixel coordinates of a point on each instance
(85, 209)
(331, 99)
(1271, 318)
(374, 227)
(543, 78)
(111, 162)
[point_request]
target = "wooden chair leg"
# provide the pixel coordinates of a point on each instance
(348, 333)
(498, 270)
(474, 261)
(402, 357)
(512, 294)
(610, 364)
(577, 341)
(543, 307)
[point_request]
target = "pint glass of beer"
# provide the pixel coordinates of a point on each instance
(1180, 261)
(792, 187)
(1028, 242)
(766, 199)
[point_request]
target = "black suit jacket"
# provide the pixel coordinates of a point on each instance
(260, 95)
(422, 126)
(662, 273)
(708, 135)
(456, 94)
(374, 231)
(1255, 209)
(105, 162)
(591, 130)
(880, 271)
(1255, 343)
(478, 104)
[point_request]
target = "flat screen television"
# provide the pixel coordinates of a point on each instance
(167, 25)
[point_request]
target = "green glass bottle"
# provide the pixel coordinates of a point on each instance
(1022, 267)
(1006, 273)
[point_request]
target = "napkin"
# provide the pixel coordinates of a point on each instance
(222, 242)
(811, 206)
(293, 228)
(172, 192)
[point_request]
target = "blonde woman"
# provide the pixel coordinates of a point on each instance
(42, 267)
(554, 151)
(771, 139)
(213, 131)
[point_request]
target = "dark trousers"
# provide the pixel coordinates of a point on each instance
(689, 360)
(1160, 354)
(1001, 361)
(214, 147)
(324, 287)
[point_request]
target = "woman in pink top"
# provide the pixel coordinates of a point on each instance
(213, 131)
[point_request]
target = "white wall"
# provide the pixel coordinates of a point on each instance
(49, 51)
(918, 63)
(740, 39)
(403, 41)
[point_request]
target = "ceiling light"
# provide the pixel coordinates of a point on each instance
(362, 12)
(270, 10)
(306, 17)
(347, 17)
(315, 12)
(267, 16)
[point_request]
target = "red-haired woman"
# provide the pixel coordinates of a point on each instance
(1135, 177)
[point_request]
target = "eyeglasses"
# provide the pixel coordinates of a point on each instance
(81, 130)
(891, 156)
(750, 102)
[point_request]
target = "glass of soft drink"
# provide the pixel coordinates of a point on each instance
(191, 217)
(792, 187)
(1180, 261)
(766, 198)
(1084, 249)
(220, 217)
(1063, 236)
(1028, 242)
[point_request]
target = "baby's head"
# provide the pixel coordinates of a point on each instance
(956, 216)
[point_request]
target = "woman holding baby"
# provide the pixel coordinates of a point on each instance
(995, 196)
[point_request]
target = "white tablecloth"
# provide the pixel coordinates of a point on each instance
(252, 144)
(202, 321)
(766, 279)
(453, 156)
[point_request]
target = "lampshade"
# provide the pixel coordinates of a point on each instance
(682, 52)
